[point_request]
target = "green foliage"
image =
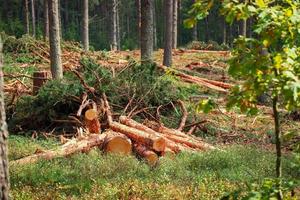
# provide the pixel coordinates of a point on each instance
(265, 191)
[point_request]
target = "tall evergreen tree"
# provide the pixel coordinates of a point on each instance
(85, 25)
(168, 7)
(55, 47)
(146, 30)
(4, 178)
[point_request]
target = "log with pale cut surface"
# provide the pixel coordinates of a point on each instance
(152, 141)
(117, 143)
(150, 156)
(91, 121)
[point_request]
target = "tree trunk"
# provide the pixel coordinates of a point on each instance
(69, 148)
(244, 28)
(175, 21)
(46, 20)
(150, 156)
(139, 17)
(85, 25)
(154, 27)
(146, 30)
(278, 146)
(4, 180)
(168, 7)
(33, 18)
(113, 25)
(224, 31)
(118, 27)
(117, 143)
(54, 33)
(27, 17)
(153, 142)
(195, 32)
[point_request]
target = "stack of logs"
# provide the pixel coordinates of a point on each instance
(149, 140)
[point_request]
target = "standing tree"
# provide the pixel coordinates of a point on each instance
(139, 17)
(4, 178)
(46, 20)
(85, 25)
(33, 18)
(168, 7)
(27, 17)
(175, 22)
(146, 30)
(55, 49)
(113, 25)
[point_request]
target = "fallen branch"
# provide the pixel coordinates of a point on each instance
(184, 115)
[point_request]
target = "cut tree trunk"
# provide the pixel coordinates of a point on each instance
(150, 156)
(117, 143)
(71, 147)
(169, 143)
(153, 142)
(39, 79)
(92, 121)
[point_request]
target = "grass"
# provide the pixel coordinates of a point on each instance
(207, 175)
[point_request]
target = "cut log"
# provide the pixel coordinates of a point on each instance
(131, 123)
(150, 156)
(71, 147)
(168, 153)
(92, 122)
(152, 141)
(39, 79)
(117, 143)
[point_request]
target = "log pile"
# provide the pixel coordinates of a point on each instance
(148, 141)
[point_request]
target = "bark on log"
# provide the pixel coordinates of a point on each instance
(117, 143)
(152, 141)
(92, 121)
(150, 156)
(184, 115)
(169, 143)
(39, 79)
(71, 147)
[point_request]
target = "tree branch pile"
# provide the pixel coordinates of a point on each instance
(148, 141)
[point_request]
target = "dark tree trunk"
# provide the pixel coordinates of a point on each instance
(55, 48)
(175, 21)
(154, 27)
(278, 146)
(244, 28)
(168, 7)
(146, 30)
(33, 18)
(46, 20)
(4, 180)
(195, 32)
(224, 31)
(118, 27)
(27, 17)
(113, 25)
(85, 25)
(139, 17)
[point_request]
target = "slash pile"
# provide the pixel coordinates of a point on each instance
(148, 140)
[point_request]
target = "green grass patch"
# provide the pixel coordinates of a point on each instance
(207, 175)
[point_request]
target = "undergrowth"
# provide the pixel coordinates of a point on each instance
(207, 175)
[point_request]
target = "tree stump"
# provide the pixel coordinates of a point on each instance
(39, 79)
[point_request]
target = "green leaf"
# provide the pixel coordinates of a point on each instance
(260, 3)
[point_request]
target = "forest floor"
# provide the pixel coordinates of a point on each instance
(247, 140)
